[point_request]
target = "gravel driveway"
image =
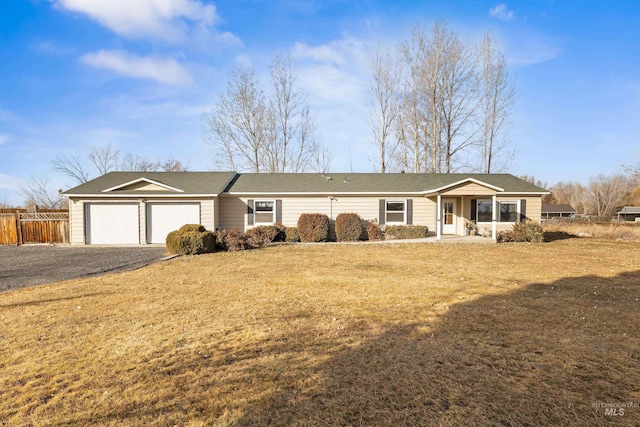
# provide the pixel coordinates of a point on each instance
(22, 266)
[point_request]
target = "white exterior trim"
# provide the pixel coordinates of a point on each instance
(147, 180)
(464, 181)
(139, 196)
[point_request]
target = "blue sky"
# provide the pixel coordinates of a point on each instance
(138, 74)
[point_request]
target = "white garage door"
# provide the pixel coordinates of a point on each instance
(163, 218)
(112, 223)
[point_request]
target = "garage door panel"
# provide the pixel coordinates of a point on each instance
(112, 223)
(163, 218)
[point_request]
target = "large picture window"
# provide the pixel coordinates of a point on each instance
(508, 211)
(395, 212)
(264, 211)
(485, 211)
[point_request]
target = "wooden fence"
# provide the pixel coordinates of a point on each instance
(43, 227)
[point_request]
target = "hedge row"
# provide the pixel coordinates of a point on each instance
(193, 239)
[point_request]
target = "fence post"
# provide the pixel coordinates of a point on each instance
(18, 229)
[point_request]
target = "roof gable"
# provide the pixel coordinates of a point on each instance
(144, 184)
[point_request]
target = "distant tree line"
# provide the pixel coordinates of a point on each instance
(602, 195)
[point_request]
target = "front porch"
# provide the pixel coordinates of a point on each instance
(458, 217)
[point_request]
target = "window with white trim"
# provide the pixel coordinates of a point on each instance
(484, 211)
(396, 211)
(265, 211)
(509, 211)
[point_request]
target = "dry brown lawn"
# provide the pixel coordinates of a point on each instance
(333, 335)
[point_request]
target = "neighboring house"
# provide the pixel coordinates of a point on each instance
(557, 211)
(629, 213)
(143, 207)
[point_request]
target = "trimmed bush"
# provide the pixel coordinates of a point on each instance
(231, 240)
(348, 227)
(191, 242)
(292, 234)
(196, 228)
(526, 231)
(259, 237)
(373, 231)
(313, 227)
(406, 232)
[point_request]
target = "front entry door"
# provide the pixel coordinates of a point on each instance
(448, 216)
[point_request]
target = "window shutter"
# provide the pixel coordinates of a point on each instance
(474, 209)
(497, 208)
(279, 211)
(409, 211)
(523, 210)
(381, 212)
(249, 212)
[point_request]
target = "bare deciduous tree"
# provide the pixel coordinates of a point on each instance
(572, 193)
(263, 133)
(238, 125)
(104, 158)
(38, 192)
(607, 193)
(71, 166)
(383, 108)
(447, 95)
(496, 99)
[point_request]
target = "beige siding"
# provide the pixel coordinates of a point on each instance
(76, 213)
(469, 189)
(233, 210)
(76, 221)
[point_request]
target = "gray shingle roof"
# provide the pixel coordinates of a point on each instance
(630, 210)
(559, 208)
(190, 182)
(282, 183)
(369, 182)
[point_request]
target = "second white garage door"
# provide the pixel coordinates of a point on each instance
(163, 218)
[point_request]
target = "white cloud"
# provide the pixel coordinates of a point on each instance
(339, 52)
(525, 49)
(4, 138)
(501, 12)
(162, 70)
(174, 21)
(336, 76)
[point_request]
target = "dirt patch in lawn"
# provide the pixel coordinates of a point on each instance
(510, 334)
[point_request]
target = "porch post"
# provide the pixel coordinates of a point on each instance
(439, 217)
(494, 218)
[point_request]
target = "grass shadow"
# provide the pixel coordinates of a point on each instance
(552, 236)
(542, 355)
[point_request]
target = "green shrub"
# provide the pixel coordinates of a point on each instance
(406, 232)
(526, 231)
(373, 231)
(192, 227)
(313, 227)
(191, 242)
(348, 227)
(231, 240)
(292, 235)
